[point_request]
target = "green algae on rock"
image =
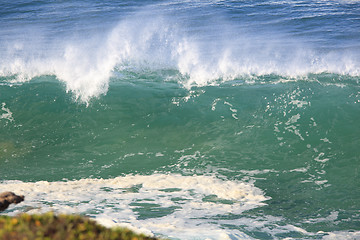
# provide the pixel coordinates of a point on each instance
(58, 227)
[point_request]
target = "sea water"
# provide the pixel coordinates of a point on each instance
(185, 119)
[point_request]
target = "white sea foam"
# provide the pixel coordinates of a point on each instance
(344, 235)
(6, 113)
(172, 205)
(332, 217)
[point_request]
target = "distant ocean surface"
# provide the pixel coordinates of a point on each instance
(185, 119)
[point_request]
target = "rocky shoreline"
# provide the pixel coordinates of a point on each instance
(7, 198)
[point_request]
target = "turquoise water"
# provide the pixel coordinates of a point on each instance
(189, 120)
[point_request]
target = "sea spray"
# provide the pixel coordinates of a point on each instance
(164, 40)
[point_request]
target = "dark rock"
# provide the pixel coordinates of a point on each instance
(6, 198)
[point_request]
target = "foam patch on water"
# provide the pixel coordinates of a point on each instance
(173, 205)
(6, 113)
(344, 235)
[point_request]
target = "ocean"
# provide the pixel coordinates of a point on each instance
(185, 119)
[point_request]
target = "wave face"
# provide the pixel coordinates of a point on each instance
(183, 119)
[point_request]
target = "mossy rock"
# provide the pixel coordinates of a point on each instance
(60, 227)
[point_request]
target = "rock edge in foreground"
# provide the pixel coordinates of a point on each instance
(59, 227)
(7, 198)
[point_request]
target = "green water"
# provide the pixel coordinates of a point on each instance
(299, 140)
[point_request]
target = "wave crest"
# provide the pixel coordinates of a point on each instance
(140, 41)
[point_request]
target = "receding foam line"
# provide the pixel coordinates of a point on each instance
(187, 202)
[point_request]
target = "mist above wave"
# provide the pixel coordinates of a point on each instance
(202, 49)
